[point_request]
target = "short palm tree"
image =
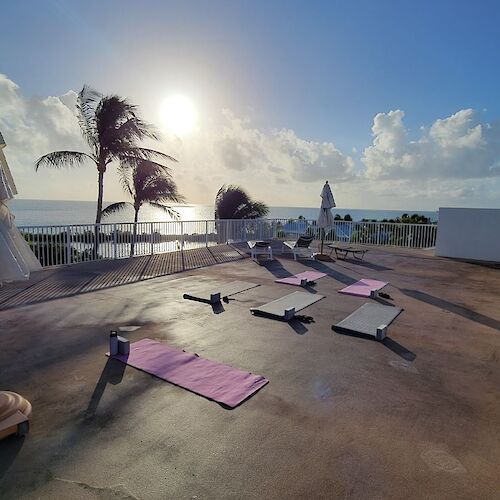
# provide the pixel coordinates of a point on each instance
(233, 202)
(112, 130)
(146, 183)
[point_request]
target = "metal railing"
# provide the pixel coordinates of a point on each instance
(68, 244)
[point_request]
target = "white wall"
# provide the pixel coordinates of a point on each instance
(469, 233)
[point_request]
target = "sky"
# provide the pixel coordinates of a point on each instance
(396, 103)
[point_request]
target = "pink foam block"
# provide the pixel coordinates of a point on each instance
(221, 383)
(296, 280)
(363, 288)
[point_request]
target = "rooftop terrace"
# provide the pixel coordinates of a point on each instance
(414, 416)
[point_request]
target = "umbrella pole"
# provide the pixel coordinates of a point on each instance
(321, 255)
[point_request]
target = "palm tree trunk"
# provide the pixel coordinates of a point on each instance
(100, 192)
(134, 232)
(98, 215)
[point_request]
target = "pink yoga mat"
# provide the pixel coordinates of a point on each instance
(216, 381)
(363, 288)
(307, 275)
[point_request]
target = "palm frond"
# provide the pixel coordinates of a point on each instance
(86, 106)
(258, 209)
(118, 126)
(157, 187)
(162, 191)
(137, 153)
(116, 207)
(149, 182)
(126, 179)
(135, 162)
(60, 159)
(232, 202)
(135, 128)
(168, 210)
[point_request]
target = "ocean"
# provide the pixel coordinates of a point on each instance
(58, 212)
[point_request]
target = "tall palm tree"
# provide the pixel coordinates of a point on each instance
(233, 202)
(112, 129)
(149, 183)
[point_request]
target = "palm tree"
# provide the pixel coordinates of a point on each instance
(232, 202)
(147, 183)
(112, 129)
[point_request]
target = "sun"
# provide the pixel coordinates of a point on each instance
(178, 115)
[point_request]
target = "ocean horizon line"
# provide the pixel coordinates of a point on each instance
(194, 204)
(30, 212)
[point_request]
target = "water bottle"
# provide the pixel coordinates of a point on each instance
(113, 343)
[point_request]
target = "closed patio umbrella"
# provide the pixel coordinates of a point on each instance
(325, 218)
(17, 260)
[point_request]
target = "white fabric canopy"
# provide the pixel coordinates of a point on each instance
(7, 186)
(325, 219)
(16, 258)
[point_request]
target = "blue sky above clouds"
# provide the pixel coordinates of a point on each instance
(396, 103)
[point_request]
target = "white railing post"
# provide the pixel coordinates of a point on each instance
(54, 245)
(115, 244)
(68, 244)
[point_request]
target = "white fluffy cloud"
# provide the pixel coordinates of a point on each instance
(456, 147)
(33, 127)
(35, 124)
(241, 147)
(278, 166)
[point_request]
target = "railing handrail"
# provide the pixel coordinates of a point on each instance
(69, 243)
(263, 219)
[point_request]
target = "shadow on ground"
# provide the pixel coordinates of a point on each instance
(332, 273)
(391, 344)
(368, 265)
(453, 308)
(11, 446)
(275, 267)
(112, 373)
(87, 277)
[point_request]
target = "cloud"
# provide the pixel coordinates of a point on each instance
(241, 147)
(454, 161)
(33, 127)
(37, 122)
(456, 147)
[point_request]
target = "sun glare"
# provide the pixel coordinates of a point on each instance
(178, 115)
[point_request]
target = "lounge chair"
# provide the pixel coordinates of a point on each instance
(342, 252)
(300, 246)
(260, 248)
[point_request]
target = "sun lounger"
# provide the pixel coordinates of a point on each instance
(260, 248)
(364, 288)
(341, 252)
(219, 291)
(302, 279)
(300, 247)
(286, 307)
(370, 319)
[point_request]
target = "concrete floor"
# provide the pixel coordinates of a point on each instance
(417, 416)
